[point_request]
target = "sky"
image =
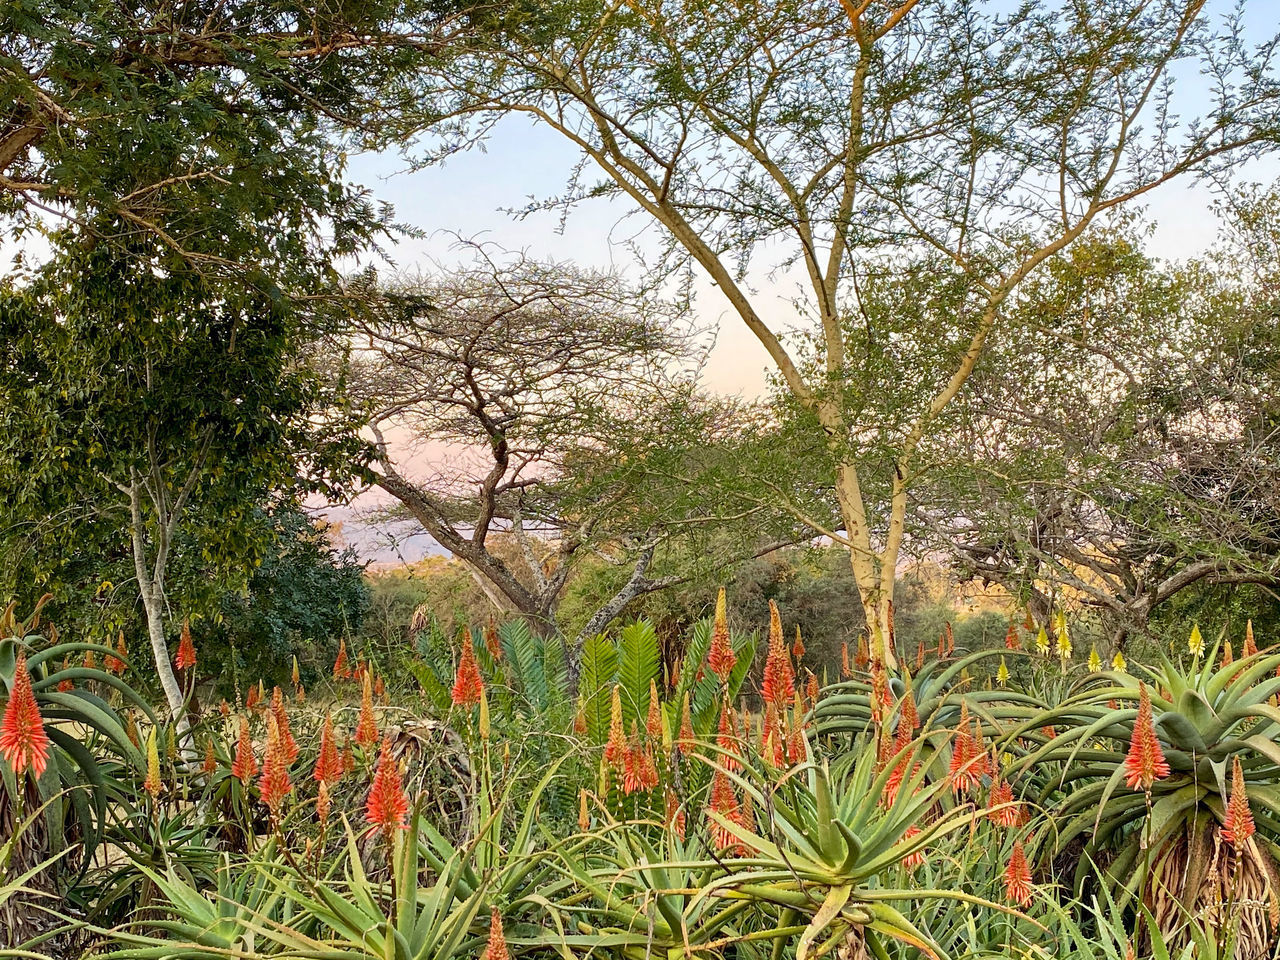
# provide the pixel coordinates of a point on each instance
(470, 196)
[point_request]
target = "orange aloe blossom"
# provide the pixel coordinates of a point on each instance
(23, 741)
(1145, 763)
(387, 807)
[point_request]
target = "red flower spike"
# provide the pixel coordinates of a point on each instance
(287, 743)
(186, 658)
(65, 686)
(274, 784)
(467, 682)
(224, 708)
(111, 662)
(653, 723)
(497, 948)
(961, 770)
(1017, 877)
(912, 860)
(797, 648)
(615, 748)
(367, 727)
(387, 807)
(23, 742)
(245, 764)
(328, 763)
(251, 701)
(1238, 825)
(1145, 763)
(779, 679)
(720, 657)
(1011, 637)
(341, 668)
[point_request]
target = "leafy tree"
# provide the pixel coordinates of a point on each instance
(1120, 446)
(848, 140)
(144, 413)
(304, 596)
(554, 406)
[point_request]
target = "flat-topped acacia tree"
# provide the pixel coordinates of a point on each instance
(844, 137)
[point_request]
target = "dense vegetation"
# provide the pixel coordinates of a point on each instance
(957, 640)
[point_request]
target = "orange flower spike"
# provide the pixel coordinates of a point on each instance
(328, 767)
(323, 802)
(1017, 877)
(615, 749)
(584, 815)
(653, 723)
(497, 948)
(674, 812)
(720, 657)
(580, 718)
(1001, 808)
(367, 726)
(1250, 645)
(863, 657)
(348, 760)
(1228, 656)
(122, 653)
(251, 701)
(289, 745)
(686, 722)
(467, 682)
(23, 741)
(726, 739)
(245, 764)
(845, 670)
(387, 807)
(274, 784)
(1238, 825)
(186, 658)
(909, 714)
(210, 764)
(1145, 763)
(632, 759)
(65, 686)
(723, 801)
(492, 642)
(779, 678)
(797, 648)
(90, 661)
(224, 708)
(341, 667)
(919, 658)
(380, 688)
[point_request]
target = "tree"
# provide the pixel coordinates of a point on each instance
(1121, 446)
(141, 118)
(144, 412)
(551, 402)
(847, 139)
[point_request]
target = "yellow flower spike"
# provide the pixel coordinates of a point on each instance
(1095, 661)
(153, 783)
(1064, 637)
(484, 715)
(1118, 663)
(1042, 641)
(1002, 674)
(1195, 643)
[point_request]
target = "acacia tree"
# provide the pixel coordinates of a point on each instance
(538, 409)
(837, 138)
(1123, 445)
